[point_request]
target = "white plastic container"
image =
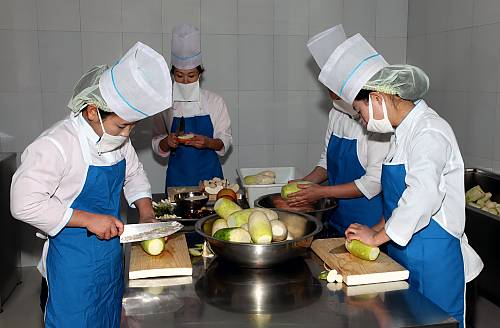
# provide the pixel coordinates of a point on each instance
(252, 192)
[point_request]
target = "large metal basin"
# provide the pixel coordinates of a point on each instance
(302, 226)
(483, 231)
(321, 207)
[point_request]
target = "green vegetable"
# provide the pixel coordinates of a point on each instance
(258, 179)
(474, 194)
(270, 174)
(291, 188)
(195, 251)
(224, 207)
(154, 246)
(235, 235)
(260, 228)
(323, 275)
(484, 199)
(361, 250)
(271, 215)
(237, 219)
(218, 224)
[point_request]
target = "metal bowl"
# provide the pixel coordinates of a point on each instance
(321, 207)
(187, 203)
(302, 226)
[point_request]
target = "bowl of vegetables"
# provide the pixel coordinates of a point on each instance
(257, 237)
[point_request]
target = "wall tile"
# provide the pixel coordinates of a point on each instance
(256, 156)
(291, 17)
(458, 60)
(231, 100)
(220, 58)
(460, 13)
(393, 49)
(486, 12)
(485, 58)
(54, 107)
(437, 15)
(219, 16)
(142, 16)
(255, 17)
(101, 15)
(154, 40)
(313, 155)
(291, 117)
(359, 17)
(58, 15)
(417, 17)
(230, 164)
(290, 63)
(435, 60)
(60, 60)
(456, 111)
(256, 118)
(294, 155)
(496, 155)
(318, 110)
(177, 12)
(324, 14)
(18, 15)
(21, 118)
(101, 48)
(255, 62)
(19, 61)
(391, 18)
(415, 51)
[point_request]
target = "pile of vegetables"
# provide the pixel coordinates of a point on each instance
(164, 209)
(253, 225)
(261, 178)
(476, 197)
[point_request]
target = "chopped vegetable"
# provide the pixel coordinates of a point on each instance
(361, 250)
(260, 228)
(474, 194)
(236, 235)
(484, 199)
(218, 224)
(163, 209)
(224, 207)
(154, 246)
(195, 252)
(323, 275)
(332, 275)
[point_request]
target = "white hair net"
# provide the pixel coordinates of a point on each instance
(86, 91)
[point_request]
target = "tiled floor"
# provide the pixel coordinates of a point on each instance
(23, 309)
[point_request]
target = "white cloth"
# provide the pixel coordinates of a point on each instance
(139, 85)
(426, 145)
(211, 104)
(53, 171)
(186, 47)
(350, 66)
(322, 45)
(371, 149)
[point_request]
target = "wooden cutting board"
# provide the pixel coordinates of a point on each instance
(174, 261)
(356, 271)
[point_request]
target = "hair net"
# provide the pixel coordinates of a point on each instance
(407, 81)
(86, 91)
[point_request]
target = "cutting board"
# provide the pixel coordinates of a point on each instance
(174, 261)
(356, 271)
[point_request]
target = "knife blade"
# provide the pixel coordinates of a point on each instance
(147, 231)
(181, 127)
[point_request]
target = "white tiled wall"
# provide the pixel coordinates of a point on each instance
(456, 43)
(254, 52)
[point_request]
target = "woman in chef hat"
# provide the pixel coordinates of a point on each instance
(196, 112)
(70, 180)
(423, 189)
(352, 158)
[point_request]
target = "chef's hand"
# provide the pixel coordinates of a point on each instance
(172, 141)
(308, 194)
(199, 141)
(362, 233)
(146, 212)
(104, 226)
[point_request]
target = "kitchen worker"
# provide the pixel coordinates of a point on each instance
(70, 180)
(423, 189)
(204, 113)
(352, 157)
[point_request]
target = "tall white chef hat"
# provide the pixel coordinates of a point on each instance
(186, 47)
(322, 45)
(350, 66)
(138, 85)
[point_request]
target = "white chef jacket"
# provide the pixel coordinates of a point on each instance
(426, 145)
(371, 149)
(211, 104)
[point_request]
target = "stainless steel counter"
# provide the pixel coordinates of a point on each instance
(222, 295)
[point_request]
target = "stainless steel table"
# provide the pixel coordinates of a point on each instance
(222, 295)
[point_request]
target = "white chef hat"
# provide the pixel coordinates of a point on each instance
(350, 66)
(186, 47)
(322, 45)
(138, 85)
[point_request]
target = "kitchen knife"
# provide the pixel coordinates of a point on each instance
(181, 127)
(147, 231)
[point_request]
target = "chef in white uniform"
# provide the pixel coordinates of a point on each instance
(204, 113)
(423, 189)
(70, 180)
(352, 157)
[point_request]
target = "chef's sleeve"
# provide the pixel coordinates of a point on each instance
(425, 186)
(160, 132)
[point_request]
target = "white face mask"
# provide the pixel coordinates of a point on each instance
(344, 107)
(380, 126)
(107, 142)
(186, 92)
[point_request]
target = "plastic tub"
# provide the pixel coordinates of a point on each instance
(252, 192)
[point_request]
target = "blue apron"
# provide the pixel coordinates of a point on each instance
(187, 166)
(84, 273)
(343, 166)
(433, 256)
